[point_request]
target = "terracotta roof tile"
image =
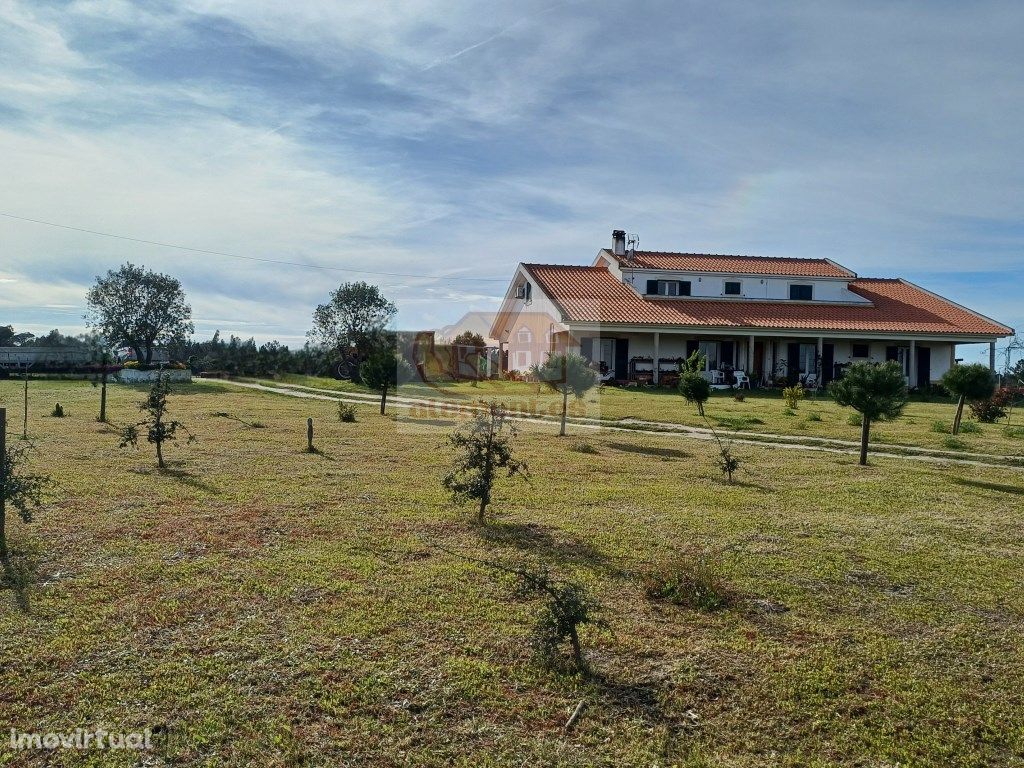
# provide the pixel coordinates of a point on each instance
(742, 265)
(593, 294)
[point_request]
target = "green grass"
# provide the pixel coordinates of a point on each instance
(266, 606)
(759, 412)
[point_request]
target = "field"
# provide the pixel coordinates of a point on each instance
(256, 604)
(925, 422)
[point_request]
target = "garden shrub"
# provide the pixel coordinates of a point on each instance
(582, 446)
(940, 427)
(58, 411)
(346, 412)
(814, 417)
(691, 581)
(954, 444)
(793, 395)
(970, 428)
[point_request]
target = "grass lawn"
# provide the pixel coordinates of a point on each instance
(924, 424)
(259, 605)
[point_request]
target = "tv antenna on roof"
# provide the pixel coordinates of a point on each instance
(633, 240)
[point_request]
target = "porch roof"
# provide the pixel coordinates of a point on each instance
(595, 295)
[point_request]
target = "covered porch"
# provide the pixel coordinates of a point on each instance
(763, 359)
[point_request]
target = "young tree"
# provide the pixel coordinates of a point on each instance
(875, 391)
(139, 308)
(158, 429)
(484, 449)
(565, 374)
(354, 318)
(692, 384)
(968, 382)
(103, 356)
(382, 371)
(22, 490)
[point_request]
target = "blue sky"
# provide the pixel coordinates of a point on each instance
(453, 140)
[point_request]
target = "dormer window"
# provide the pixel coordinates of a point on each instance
(732, 288)
(801, 292)
(668, 287)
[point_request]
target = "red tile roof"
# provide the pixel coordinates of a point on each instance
(741, 265)
(593, 294)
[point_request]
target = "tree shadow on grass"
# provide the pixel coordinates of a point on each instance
(190, 479)
(668, 453)
(1014, 489)
(19, 572)
(539, 540)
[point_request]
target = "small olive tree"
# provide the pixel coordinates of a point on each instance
(22, 490)
(382, 371)
(968, 382)
(484, 448)
(159, 429)
(875, 391)
(692, 384)
(566, 373)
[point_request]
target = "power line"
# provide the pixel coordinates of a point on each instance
(281, 262)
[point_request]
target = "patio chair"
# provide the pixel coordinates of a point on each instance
(742, 380)
(811, 381)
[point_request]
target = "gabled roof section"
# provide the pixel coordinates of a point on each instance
(595, 295)
(739, 265)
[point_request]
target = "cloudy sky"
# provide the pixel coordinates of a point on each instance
(430, 146)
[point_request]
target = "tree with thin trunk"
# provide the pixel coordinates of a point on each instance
(140, 309)
(159, 429)
(566, 373)
(383, 371)
(968, 382)
(692, 385)
(876, 391)
(484, 450)
(104, 357)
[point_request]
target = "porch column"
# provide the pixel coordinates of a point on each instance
(657, 354)
(818, 358)
(912, 373)
(992, 356)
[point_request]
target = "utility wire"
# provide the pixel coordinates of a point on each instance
(246, 258)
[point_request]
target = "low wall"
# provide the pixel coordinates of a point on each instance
(134, 376)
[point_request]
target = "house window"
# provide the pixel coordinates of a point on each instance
(523, 360)
(808, 358)
(733, 288)
(801, 292)
(523, 336)
(710, 351)
(668, 287)
(860, 350)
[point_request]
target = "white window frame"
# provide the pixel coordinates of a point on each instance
(738, 282)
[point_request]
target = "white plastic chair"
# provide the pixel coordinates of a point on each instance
(811, 381)
(742, 380)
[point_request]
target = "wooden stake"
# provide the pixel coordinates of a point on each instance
(575, 715)
(309, 434)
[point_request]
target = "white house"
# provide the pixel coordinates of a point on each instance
(637, 313)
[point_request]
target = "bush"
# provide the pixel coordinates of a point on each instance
(346, 413)
(1014, 432)
(990, 410)
(940, 427)
(58, 411)
(970, 428)
(582, 446)
(793, 395)
(855, 420)
(814, 417)
(689, 581)
(954, 444)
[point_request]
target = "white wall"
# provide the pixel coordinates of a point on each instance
(752, 288)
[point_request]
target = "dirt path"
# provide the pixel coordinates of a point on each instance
(447, 408)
